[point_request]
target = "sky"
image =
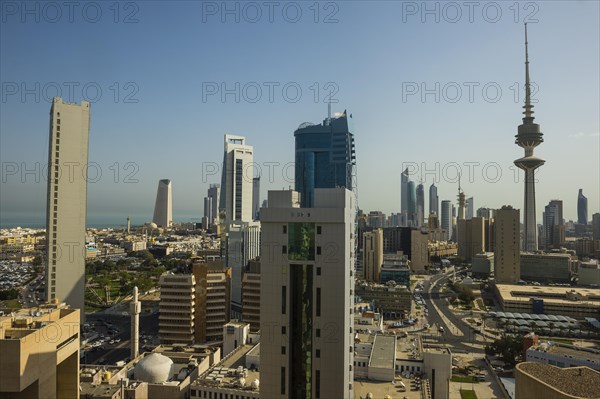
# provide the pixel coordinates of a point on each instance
(436, 87)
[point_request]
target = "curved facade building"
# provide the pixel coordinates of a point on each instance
(582, 208)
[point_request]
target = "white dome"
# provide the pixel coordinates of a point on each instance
(154, 368)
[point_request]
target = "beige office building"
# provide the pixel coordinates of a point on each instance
(39, 353)
(66, 202)
(212, 293)
(507, 258)
(372, 254)
(307, 261)
(177, 308)
(251, 295)
(539, 380)
(471, 237)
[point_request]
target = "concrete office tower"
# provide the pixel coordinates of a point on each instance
(434, 201)
(472, 237)
(596, 226)
(163, 208)
(325, 157)
(470, 208)
(211, 204)
(551, 220)
(412, 203)
(176, 308)
(372, 254)
(446, 220)
(66, 203)
(212, 303)
(559, 206)
(236, 180)
(307, 340)
(582, 208)
(135, 308)
(39, 353)
(420, 205)
(529, 136)
(243, 244)
(507, 260)
(255, 197)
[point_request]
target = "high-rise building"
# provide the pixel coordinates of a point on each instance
(376, 219)
(470, 208)
(434, 200)
(404, 179)
(372, 254)
(176, 318)
(596, 226)
(446, 219)
(251, 295)
(255, 197)
(420, 205)
(472, 237)
(529, 136)
(507, 248)
(236, 180)
(243, 244)
(582, 208)
(39, 352)
(412, 203)
(211, 300)
(559, 206)
(211, 205)
(163, 208)
(485, 213)
(551, 220)
(66, 202)
(325, 157)
(306, 314)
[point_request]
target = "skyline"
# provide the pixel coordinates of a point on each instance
(134, 132)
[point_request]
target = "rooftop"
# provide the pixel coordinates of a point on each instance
(383, 354)
(581, 382)
(229, 372)
(552, 294)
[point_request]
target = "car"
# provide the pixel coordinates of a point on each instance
(441, 329)
(112, 342)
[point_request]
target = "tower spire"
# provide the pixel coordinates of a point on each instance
(528, 106)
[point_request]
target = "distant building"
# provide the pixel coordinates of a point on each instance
(561, 355)
(596, 226)
(309, 295)
(163, 208)
(446, 220)
(546, 268)
(39, 352)
(66, 202)
(412, 242)
(176, 323)
(211, 205)
(507, 265)
(434, 201)
(243, 244)
(470, 207)
(538, 380)
(582, 208)
(395, 268)
(420, 205)
(236, 180)
(372, 254)
(255, 197)
(376, 219)
(393, 301)
(589, 273)
(325, 157)
(483, 264)
(471, 237)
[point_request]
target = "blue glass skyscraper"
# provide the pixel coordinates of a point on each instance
(325, 157)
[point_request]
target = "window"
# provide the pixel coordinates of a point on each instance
(318, 353)
(318, 301)
(318, 250)
(318, 332)
(318, 271)
(318, 229)
(283, 330)
(283, 299)
(284, 229)
(283, 249)
(283, 350)
(317, 384)
(283, 380)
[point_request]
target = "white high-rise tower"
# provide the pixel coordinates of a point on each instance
(66, 206)
(237, 180)
(163, 208)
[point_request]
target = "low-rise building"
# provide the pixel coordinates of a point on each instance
(539, 380)
(395, 268)
(392, 301)
(483, 264)
(589, 273)
(546, 267)
(561, 355)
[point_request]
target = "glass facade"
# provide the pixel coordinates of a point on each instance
(301, 311)
(301, 241)
(324, 158)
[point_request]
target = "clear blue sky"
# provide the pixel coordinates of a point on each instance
(374, 54)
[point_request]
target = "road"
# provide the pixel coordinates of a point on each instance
(432, 294)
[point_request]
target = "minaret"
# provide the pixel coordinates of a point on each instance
(128, 225)
(529, 136)
(134, 310)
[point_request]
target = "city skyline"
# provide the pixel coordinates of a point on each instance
(131, 166)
